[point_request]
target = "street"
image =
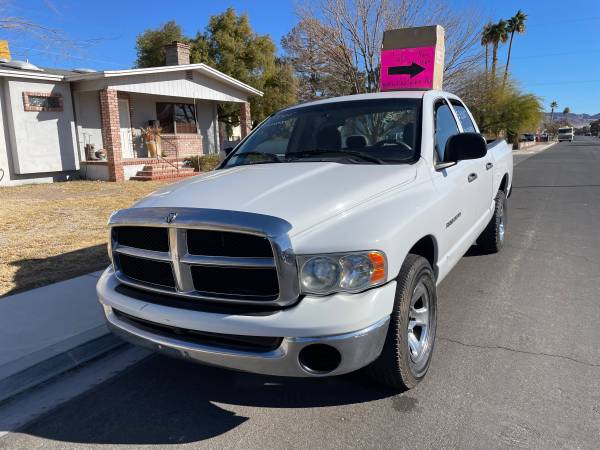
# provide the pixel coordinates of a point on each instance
(516, 363)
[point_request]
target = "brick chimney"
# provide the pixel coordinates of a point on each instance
(177, 54)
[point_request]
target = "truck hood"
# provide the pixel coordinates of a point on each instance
(304, 193)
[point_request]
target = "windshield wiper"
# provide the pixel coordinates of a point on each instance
(317, 152)
(271, 158)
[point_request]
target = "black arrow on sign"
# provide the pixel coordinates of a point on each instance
(413, 70)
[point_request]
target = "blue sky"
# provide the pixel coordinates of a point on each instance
(558, 58)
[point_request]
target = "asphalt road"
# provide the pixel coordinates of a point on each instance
(516, 364)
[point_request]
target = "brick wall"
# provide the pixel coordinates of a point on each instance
(181, 144)
(111, 133)
(177, 53)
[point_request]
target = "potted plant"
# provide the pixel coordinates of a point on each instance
(151, 137)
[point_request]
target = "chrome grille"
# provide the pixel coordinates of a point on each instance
(216, 255)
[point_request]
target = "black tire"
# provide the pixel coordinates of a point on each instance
(492, 238)
(396, 366)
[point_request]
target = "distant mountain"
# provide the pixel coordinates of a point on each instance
(577, 120)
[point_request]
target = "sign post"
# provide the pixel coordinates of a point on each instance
(412, 58)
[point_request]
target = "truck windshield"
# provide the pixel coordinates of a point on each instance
(565, 130)
(352, 132)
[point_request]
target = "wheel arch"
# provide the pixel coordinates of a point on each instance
(504, 183)
(427, 248)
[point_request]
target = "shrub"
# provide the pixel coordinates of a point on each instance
(500, 111)
(203, 163)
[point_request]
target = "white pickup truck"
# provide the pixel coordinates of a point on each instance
(316, 247)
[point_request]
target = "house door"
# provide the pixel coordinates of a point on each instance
(125, 123)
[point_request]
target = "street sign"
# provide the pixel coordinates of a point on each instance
(407, 68)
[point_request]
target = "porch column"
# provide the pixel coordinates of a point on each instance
(111, 133)
(245, 119)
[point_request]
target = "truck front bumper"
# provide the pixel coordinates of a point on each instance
(357, 326)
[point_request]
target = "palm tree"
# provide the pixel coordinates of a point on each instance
(516, 24)
(566, 112)
(486, 35)
(553, 106)
(498, 34)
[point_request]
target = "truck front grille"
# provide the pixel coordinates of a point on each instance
(147, 238)
(258, 282)
(157, 273)
(224, 243)
(199, 260)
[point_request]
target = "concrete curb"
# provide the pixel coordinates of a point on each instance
(46, 369)
(540, 147)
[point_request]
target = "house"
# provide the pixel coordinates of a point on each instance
(56, 123)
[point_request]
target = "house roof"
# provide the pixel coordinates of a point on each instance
(71, 75)
(37, 75)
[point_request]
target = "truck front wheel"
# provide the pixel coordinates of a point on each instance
(407, 351)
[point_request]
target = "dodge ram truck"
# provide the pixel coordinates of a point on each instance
(316, 246)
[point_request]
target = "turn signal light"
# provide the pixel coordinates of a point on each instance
(378, 261)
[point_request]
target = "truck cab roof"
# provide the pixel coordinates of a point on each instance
(375, 96)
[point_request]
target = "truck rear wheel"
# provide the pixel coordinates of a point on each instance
(492, 238)
(408, 347)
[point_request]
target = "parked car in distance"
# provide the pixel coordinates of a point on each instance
(317, 246)
(565, 134)
(527, 137)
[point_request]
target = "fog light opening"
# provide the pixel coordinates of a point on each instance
(319, 358)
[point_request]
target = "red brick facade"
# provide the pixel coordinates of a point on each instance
(29, 107)
(245, 119)
(111, 133)
(181, 145)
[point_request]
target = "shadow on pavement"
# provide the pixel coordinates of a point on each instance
(33, 273)
(164, 401)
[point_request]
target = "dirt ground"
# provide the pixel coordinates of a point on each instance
(52, 232)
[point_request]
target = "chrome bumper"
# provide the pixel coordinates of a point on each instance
(357, 349)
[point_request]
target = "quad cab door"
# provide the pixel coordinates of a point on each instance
(455, 193)
(480, 176)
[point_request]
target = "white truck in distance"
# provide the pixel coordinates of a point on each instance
(316, 247)
(566, 134)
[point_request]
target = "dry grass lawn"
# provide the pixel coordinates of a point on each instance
(52, 232)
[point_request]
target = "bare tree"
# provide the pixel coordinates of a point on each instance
(335, 47)
(22, 29)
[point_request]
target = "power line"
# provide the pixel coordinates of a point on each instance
(68, 56)
(562, 21)
(544, 55)
(558, 83)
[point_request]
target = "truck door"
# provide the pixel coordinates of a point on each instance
(454, 193)
(480, 176)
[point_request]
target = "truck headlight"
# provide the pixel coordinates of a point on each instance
(342, 272)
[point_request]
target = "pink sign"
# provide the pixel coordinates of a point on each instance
(407, 68)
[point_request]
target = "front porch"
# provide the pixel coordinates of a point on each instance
(112, 111)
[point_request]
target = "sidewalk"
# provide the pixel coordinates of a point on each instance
(49, 330)
(535, 148)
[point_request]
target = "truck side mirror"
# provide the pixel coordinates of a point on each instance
(465, 146)
(228, 150)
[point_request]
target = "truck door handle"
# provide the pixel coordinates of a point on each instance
(488, 166)
(472, 177)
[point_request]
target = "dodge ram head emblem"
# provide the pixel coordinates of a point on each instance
(170, 217)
